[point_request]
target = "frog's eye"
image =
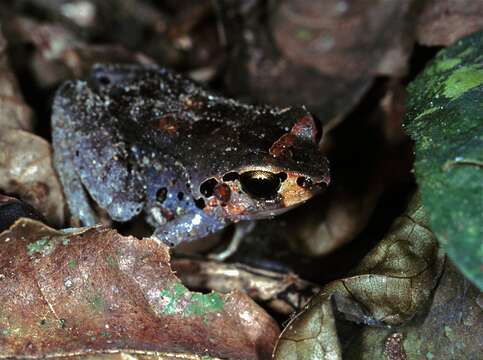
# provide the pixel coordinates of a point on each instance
(261, 184)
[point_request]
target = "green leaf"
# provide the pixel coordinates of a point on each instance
(445, 118)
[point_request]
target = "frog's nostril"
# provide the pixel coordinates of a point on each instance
(282, 176)
(260, 184)
(304, 182)
(207, 187)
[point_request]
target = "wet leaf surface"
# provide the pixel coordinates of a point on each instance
(444, 118)
(91, 290)
(391, 284)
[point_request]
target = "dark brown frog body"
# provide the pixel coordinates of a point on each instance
(141, 138)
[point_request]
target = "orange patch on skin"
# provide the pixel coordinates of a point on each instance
(282, 146)
(167, 124)
(222, 192)
(305, 128)
(293, 194)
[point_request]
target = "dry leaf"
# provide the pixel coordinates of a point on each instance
(257, 69)
(26, 170)
(391, 284)
(60, 54)
(283, 293)
(13, 111)
(92, 290)
(444, 21)
(346, 38)
(450, 327)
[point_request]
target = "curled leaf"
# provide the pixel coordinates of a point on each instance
(92, 290)
(392, 283)
(450, 327)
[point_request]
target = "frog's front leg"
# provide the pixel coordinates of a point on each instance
(74, 191)
(188, 227)
(242, 229)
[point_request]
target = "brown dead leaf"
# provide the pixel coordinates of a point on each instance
(391, 284)
(14, 113)
(89, 291)
(347, 38)
(26, 170)
(444, 21)
(259, 70)
(451, 326)
(60, 54)
(283, 293)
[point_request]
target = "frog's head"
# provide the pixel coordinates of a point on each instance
(276, 166)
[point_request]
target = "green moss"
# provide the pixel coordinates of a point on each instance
(72, 264)
(201, 304)
(97, 303)
(447, 64)
(462, 80)
(111, 262)
(443, 117)
(44, 246)
(179, 300)
(303, 34)
(427, 112)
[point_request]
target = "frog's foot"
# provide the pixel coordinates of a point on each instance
(242, 229)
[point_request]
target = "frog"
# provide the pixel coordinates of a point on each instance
(132, 139)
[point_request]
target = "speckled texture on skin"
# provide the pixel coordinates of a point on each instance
(141, 138)
(445, 119)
